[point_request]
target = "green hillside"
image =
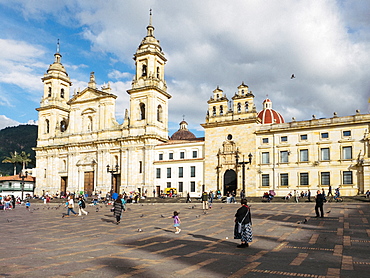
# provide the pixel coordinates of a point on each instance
(19, 138)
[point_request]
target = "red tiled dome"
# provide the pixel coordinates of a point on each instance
(183, 133)
(269, 115)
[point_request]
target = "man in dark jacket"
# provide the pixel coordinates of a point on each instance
(205, 200)
(320, 199)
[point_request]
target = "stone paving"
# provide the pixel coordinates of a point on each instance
(41, 243)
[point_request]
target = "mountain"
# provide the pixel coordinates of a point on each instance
(19, 138)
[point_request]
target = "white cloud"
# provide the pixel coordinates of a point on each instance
(5, 122)
(212, 42)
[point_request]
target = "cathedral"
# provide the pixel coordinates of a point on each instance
(82, 148)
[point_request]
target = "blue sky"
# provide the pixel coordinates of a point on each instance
(208, 43)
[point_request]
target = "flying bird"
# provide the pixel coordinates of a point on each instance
(292, 77)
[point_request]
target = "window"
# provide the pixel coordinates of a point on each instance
(181, 186)
(192, 186)
(214, 111)
(239, 107)
(346, 133)
(325, 178)
(221, 110)
(62, 93)
(63, 126)
(324, 135)
(347, 177)
(229, 137)
(195, 154)
(325, 154)
(303, 178)
(181, 172)
(265, 180)
(347, 152)
(160, 156)
(168, 184)
(158, 72)
(246, 105)
(168, 172)
(140, 167)
(284, 157)
(170, 156)
(49, 92)
(192, 171)
(303, 136)
(284, 179)
(284, 139)
(47, 126)
(143, 70)
(159, 113)
(265, 140)
(142, 111)
(265, 158)
(158, 173)
(303, 155)
(182, 155)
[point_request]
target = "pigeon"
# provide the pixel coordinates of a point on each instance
(305, 221)
(139, 230)
(197, 216)
(292, 77)
(328, 211)
(97, 210)
(204, 212)
(162, 215)
(142, 215)
(193, 207)
(8, 220)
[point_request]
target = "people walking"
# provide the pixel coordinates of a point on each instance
(296, 196)
(309, 195)
(205, 200)
(176, 222)
(81, 206)
(188, 199)
(118, 208)
(70, 206)
(243, 224)
(320, 199)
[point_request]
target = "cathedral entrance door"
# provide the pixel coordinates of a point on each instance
(116, 183)
(63, 186)
(89, 183)
(230, 181)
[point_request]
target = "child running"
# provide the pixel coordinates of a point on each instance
(176, 222)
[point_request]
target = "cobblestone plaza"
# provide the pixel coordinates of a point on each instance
(41, 243)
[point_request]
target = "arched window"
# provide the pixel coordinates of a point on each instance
(158, 72)
(62, 93)
(63, 126)
(246, 106)
(143, 71)
(142, 111)
(243, 92)
(49, 92)
(159, 113)
(47, 126)
(239, 107)
(214, 110)
(221, 110)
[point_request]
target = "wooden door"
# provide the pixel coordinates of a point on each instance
(89, 183)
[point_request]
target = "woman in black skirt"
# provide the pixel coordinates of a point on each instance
(243, 224)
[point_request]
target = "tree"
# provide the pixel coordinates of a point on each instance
(14, 158)
(24, 158)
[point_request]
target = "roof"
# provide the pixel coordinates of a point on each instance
(16, 178)
(269, 115)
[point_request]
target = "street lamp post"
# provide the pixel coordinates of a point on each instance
(22, 176)
(243, 163)
(112, 170)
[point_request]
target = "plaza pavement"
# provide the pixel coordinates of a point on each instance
(41, 243)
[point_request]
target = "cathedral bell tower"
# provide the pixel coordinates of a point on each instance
(54, 110)
(148, 96)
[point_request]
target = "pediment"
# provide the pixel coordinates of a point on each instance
(90, 94)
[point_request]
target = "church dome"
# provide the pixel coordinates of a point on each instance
(183, 133)
(269, 115)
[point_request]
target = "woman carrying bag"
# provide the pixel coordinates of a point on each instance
(243, 224)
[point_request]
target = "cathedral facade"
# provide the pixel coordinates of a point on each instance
(82, 148)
